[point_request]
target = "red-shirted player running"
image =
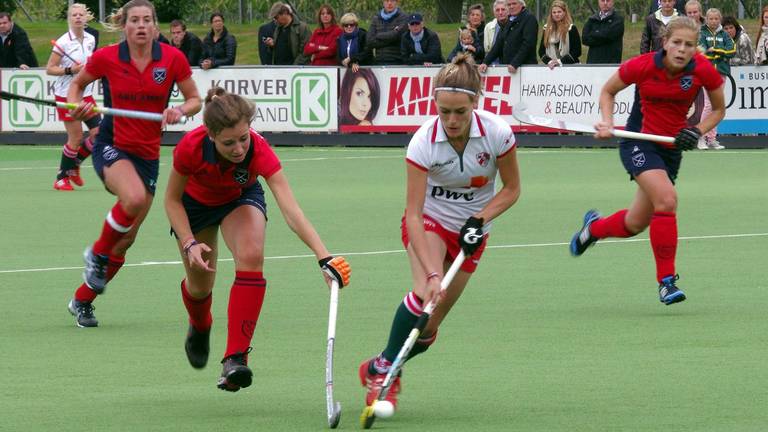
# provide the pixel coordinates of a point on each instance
(668, 80)
(214, 183)
(138, 74)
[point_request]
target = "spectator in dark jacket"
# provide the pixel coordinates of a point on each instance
(352, 51)
(604, 35)
(656, 5)
(469, 44)
(476, 22)
(289, 38)
(560, 41)
(655, 23)
(219, 47)
(15, 49)
(386, 33)
(420, 46)
(516, 45)
(266, 31)
(186, 42)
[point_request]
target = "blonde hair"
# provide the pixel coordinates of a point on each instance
(561, 28)
(462, 74)
(88, 14)
(681, 23)
(348, 18)
(715, 11)
(466, 33)
(116, 20)
(225, 110)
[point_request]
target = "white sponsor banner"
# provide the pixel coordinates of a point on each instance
(746, 101)
(286, 99)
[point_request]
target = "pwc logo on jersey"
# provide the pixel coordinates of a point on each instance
(438, 192)
(159, 74)
(483, 158)
(240, 175)
(686, 82)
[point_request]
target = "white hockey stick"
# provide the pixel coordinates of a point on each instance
(333, 409)
(519, 111)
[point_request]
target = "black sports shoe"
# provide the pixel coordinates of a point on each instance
(669, 293)
(197, 347)
(583, 238)
(83, 313)
(235, 374)
(95, 273)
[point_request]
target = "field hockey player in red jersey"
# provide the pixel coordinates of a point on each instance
(139, 74)
(451, 165)
(668, 81)
(214, 186)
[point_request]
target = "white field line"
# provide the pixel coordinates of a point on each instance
(397, 251)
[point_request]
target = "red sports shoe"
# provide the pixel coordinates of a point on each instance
(373, 383)
(74, 176)
(62, 184)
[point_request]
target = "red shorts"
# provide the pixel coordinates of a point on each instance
(451, 240)
(64, 112)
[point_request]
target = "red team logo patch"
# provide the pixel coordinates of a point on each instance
(483, 158)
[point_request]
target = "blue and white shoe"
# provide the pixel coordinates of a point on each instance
(95, 273)
(669, 293)
(583, 238)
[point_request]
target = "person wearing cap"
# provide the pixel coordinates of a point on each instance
(386, 32)
(420, 46)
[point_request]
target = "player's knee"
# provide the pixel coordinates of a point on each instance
(74, 139)
(667, 203)
(134, 203)
(250, 257)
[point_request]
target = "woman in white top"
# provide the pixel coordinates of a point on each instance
(69, 55)
(451, 164)
(560, 41)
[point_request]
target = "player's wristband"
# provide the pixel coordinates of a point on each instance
(433, 275)
(188, 246)
(67, 70)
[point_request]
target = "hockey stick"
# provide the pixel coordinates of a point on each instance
(369, 416)
(333, 409)
(64, 53)
(520, 112)
(117, 112)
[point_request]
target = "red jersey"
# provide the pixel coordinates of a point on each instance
(665, 100)
(214, 182)
(127, 88)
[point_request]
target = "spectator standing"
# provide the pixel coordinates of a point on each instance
(693, 11)
(761, 44)
(15, 49)
(655, 23)
(186, 42)
(351, 45)
(560, 41)
(476, 22)
(386, 33)
(321, 47)
(467, 44)
(266, 31)
(219, 47)
(718, 48)
(289, 38)
(516, 45)
(745, 54)
(603, 33)
(420, 46)
(679, 6)
(493, 29)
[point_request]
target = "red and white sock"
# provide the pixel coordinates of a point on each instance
(86, 294)
(116, 225)
(245, 300)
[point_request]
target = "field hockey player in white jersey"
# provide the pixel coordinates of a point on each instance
(69, 55)
(451, 164)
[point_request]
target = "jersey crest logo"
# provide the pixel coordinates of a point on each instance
(109, 153)
(241, 176)
(686, 82)
(159, 74)
(483, 158)
(638, 160)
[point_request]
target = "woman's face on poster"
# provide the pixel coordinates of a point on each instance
(360, 102)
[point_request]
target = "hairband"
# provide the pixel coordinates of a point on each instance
(456, 89)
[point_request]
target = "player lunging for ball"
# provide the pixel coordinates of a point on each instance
(668, 80)
(451, 166)
(213, 183)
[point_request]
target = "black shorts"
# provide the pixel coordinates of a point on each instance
(639, 156)
(202, 216)
(104, 155)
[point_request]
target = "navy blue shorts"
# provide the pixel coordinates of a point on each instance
(104, 155)
(640, 156)
(202, 216)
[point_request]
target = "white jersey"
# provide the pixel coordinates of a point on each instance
(78, 51)
(460, 185)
